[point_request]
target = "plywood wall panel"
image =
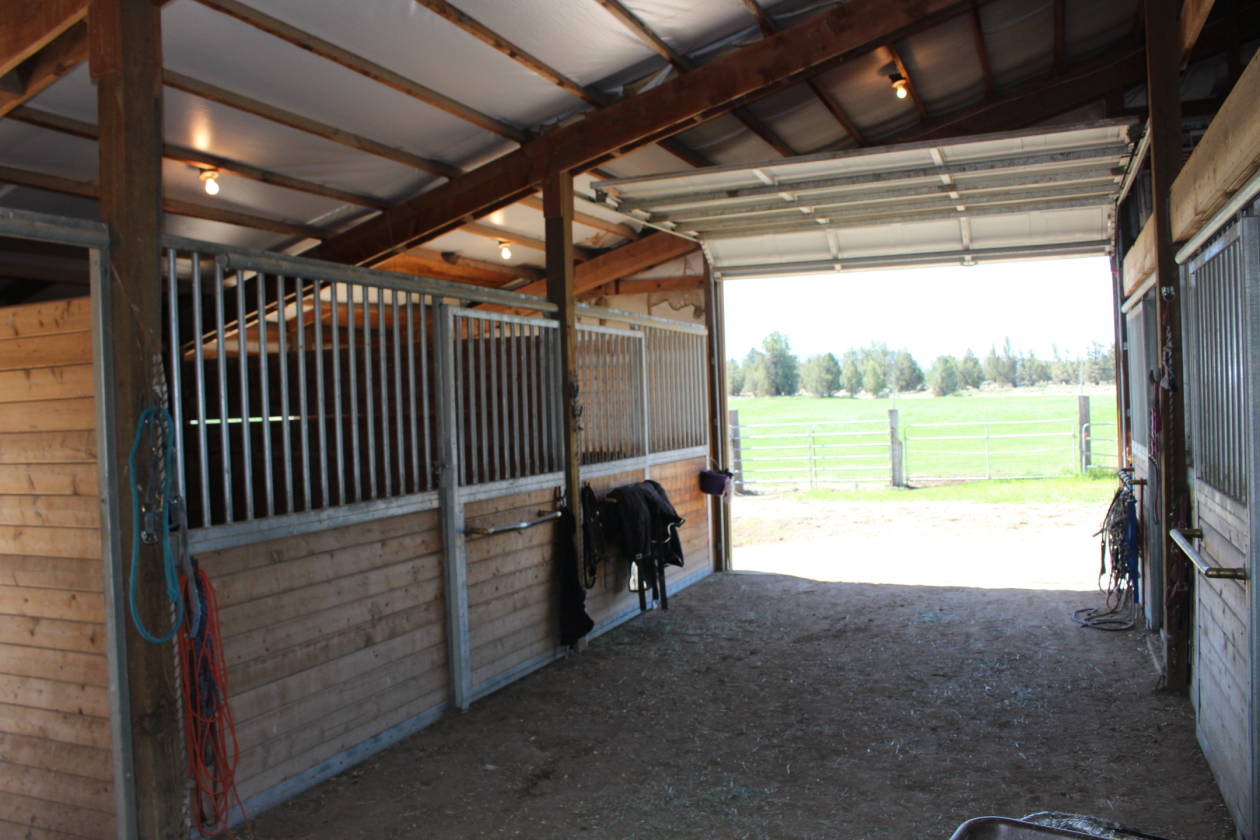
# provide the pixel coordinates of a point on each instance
(55, 770)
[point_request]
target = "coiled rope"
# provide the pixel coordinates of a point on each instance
(151, 511)
(213, 751)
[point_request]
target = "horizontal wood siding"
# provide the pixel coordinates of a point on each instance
(1222, 660)
(331, 638)
(512, 580)
(56, 778)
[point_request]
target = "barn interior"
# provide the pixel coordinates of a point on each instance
(389, 283)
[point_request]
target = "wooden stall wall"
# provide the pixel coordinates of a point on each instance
(331, 638)
(55, 770)
(1221, 687)
(512, 579)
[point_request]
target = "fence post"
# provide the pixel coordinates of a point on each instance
(737, 453)
(988, 467)
(897, 463)
(1082, 422)
(810, 457)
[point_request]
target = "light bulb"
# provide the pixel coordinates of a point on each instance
(900, 85)
(505, 251)
(210, 180)
(902, 93)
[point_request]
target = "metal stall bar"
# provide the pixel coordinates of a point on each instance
(177, 374)
(286, 441)
(321, 405)
(304, 422)
(225, 441)
(264, 381)
(242, 353)
(339, 442)
(387, 465)
(365, 308)
(352, 365)
(417, 483)
(399, 429)
(199, 360)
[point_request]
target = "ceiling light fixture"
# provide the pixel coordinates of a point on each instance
(210, 180)
(900, 85)
(505, 250)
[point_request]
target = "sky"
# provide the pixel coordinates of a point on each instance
(928, 311)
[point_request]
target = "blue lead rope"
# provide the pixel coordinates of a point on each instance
(169, 565)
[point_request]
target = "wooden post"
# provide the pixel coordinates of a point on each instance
(126, 61)
(1083, 432)
(719, 439)
(1163, 57)
(558, 218)
(737, 456)
(896, 464)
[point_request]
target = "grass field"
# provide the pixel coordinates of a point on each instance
(840, 441)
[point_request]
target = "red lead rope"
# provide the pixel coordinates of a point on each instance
(212, 748)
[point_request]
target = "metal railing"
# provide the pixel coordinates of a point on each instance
(814, 454)
(850, 452)
(507, 393)
(297, 386)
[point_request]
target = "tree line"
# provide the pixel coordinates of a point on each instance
(877, 370)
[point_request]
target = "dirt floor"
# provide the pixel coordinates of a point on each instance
(901, 670)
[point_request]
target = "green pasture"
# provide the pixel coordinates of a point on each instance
(837, 441)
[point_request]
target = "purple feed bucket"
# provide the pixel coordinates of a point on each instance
(715, 482)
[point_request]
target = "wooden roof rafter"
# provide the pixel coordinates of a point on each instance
(34, 74)
(768, 27)
(195, 210)
(241, 102)
(199, 159)
(364, 67)
(589, 95)
(683, 64)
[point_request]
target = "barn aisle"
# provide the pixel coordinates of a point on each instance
(783, 706)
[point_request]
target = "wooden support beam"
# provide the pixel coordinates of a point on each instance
(30, 25)
(214, 93)
(192, 209)
(126, 62)
(597, 222)
(842, 30)
(1163, 51)
(646, 285)
(351, 61)
(683, 64)
(558, 218)
(640, 255)
(719, 432)
(895, 55)
(1194, 15)
(589, 95)
(768, 27)
(37, 72)
(424, 262)
(982, 50)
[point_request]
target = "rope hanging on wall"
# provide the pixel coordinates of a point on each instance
(213, 751)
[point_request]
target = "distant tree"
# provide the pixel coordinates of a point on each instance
(756, 377)
(734, 377)
(1100, 364)
(1031, 370)
(851, 372)
(970, 374)
(1001, 369)
(820, 375)
(875, 376)
(944, 378)
(782, 369)
(907, 373)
